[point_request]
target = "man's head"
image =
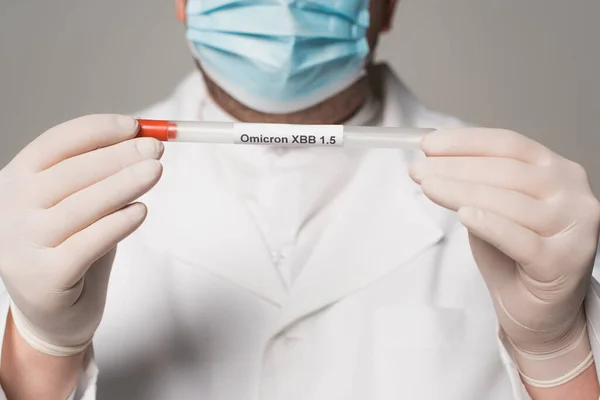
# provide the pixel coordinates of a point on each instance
(334, 109)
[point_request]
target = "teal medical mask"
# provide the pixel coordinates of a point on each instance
(280, 56)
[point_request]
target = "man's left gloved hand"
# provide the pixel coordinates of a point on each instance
(533, 225)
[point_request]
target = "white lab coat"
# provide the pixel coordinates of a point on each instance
(389, 306)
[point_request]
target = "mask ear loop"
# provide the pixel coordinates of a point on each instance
(193, 50)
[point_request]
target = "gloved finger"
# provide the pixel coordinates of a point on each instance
(82, 171)
(479, 142)
(494, 262)
(506, 173)
(85, 207)
(74, 137)
(512, 239)
(75, 255)
(521, 209)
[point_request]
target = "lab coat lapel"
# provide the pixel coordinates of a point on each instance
(381, 224)
(205, 225)
(378, 226)
(208, 227)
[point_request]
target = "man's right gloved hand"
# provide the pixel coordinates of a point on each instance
(65, 203)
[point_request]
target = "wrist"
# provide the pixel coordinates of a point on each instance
(27, 373)
(558, 361)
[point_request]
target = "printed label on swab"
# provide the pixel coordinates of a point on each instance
(288, 135)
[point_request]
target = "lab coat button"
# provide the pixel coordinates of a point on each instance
(276, 257)
(280, 151)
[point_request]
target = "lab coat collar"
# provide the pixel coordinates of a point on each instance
(377, 225)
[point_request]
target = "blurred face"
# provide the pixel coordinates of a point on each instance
(332, 110)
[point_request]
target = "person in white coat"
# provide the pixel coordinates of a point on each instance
(295, 274)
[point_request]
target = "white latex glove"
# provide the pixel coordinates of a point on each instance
(533, 223)
(65, 205)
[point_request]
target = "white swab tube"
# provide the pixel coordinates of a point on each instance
(282, 134)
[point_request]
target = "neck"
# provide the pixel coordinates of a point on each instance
(335, 110)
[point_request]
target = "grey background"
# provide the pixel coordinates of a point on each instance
(532, 66)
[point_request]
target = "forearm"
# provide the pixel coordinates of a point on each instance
(583, 387)
(26, 374)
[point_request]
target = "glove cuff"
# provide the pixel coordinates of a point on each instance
(566, 361)
(28, 334)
